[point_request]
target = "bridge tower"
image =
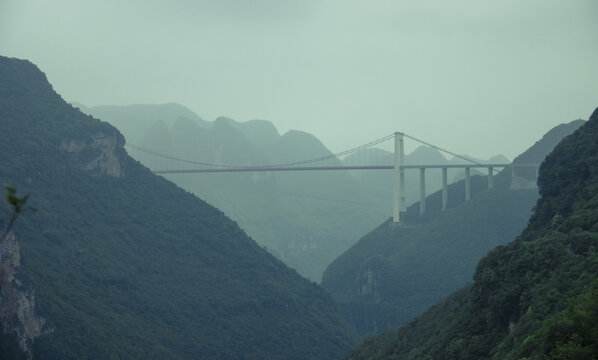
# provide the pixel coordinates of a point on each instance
(399, 201)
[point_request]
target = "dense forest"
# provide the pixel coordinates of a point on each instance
(536, 297)
(119, 263)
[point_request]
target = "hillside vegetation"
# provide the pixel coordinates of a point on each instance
(535, 298)
(120, 263)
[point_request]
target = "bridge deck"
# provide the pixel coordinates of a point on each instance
(318, 168)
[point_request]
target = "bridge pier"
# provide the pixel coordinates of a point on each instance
(490, 177)
(403, 201)
(399, 179)
(444, 189)
(422, 190)
(467, 183)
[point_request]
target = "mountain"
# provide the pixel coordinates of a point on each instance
(119, 263)
(260, 132)
(541, 148)
(395, 273)
(132, 120)
(306, 219)
(535, 298)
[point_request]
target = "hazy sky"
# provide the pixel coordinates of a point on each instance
(476, 76)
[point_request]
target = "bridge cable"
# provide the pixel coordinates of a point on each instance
(446, 151)
(327, 157)
(342, 153)
(169, 157)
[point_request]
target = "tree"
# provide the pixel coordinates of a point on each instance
(18, 206)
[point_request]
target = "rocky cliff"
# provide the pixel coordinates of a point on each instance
(17, 302)
(100, 154)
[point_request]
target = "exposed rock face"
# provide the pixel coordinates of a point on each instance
(368, 290)
(369, 279)
(17, 304)
(101, 154)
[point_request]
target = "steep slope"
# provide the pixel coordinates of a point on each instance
(305, 219)
(534, 298)
(394, 274)
(120, 263)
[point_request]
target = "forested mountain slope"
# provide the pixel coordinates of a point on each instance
(120, 263)
(534, 298)
(393, 274)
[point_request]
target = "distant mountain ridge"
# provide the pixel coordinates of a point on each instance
(141, 116)
(124, 264)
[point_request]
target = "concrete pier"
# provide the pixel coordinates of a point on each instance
(396, 208)
(422, 190)
(399, 201)
(403, 200)
(490, 177)
(467, 184)
(444, 189)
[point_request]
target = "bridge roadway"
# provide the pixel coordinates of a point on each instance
(311, 168)
(401, 207)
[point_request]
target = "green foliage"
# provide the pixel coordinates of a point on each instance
(134, 267)
(16, 202)
(571, 333)
(17, 205)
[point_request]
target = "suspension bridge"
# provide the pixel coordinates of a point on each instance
(398, 167)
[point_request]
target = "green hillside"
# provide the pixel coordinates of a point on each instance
(118, 263)
(393, 274)
(535, 298)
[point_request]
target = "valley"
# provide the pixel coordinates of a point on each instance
(111, 240)
(298, 180)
